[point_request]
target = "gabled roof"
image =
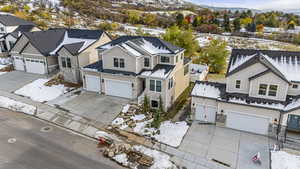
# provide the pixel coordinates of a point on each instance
(151, 45)
(10, 20)
(283, 63)
(82, 33)
(74, 48)
(159, 71)
(20, 29)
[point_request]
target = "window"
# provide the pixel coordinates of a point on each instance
(69, 63)
(262, 89)
(116, 62)
(152, 85)
(154, 103)
(176, 58)
(164, 59)
(2, 29)
(238, 84)
(295, 86)
(63, 62)
(146, 62)
(122, 63)
(155, 85)
(186, 69)
(11, 44)
(273, 90)
(158, 86)
(181, 56)
(170, 85)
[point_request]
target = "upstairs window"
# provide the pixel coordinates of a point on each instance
(237, 84)
(171, 82)
(122, 63)
(164, 59)
(155, 85)
(146, 62)
(262, 89)
(295, 86)
(273, 90)
(116, 62)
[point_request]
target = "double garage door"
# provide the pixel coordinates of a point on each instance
(249, 123)
(112, 87)
(29, 65)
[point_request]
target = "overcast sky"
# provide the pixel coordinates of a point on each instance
(254, 4)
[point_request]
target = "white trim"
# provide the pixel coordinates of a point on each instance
(116, 80)
(247, 114)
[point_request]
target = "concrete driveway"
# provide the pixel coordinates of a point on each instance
(230, 147)
(94, 106)
(14, 80)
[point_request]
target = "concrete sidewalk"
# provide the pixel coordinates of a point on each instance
(58, 116)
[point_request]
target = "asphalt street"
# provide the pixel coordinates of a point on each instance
(24, 145)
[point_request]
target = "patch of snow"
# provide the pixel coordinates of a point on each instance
(160, 73)
(239, 61)
(126, 108)
(149, 47)
(131, 50)
(17, 106)
(5, 61)
(273, 105)
(2, 73)
(284, 160)
(206, 90)
(138, 117)
(90, 69)
(161, 160)
(172, 133)
(292, 105)
(37, 91)
(122, 159)
(142, 129)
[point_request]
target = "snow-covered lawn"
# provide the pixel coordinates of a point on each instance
(284, 160)
(16, 106)
(37, 91)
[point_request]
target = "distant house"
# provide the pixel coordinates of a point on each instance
(134, 66)
(43, 52)
(262, 88)
(198, 72)
(11, 28)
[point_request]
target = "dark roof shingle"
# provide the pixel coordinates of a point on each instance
(10, 20)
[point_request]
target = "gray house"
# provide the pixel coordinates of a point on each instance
(133, 66)
(262, 88)
(38, 52)
(11, 28)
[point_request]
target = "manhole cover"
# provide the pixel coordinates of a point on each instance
(46, 129)
(11, 140)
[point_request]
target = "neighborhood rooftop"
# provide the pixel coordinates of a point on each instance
(283, 63)
(10, 20)
(138, 45)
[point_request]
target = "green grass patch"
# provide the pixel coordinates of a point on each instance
(178, 104)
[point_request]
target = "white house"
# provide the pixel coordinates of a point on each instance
(262, 88)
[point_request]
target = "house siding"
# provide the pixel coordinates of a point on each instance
(286, 115)
(70, 74)
(270, 79)
(20, 44)
(244, 76)
(292, 91)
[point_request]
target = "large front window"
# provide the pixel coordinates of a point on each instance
(273, 90)
(119, 63)
(66, 62)
(155, 85)
(262, 89)
(164, 59)
(146, 62)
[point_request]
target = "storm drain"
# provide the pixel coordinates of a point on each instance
(46, 129)
(12, 140)
(220, 162)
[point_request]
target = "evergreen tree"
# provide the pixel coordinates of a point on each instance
(237, 24)
(227, 23)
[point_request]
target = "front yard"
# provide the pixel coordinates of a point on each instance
(285, 160)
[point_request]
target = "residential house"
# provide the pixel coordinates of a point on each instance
(11, 28)
(134, 66)
(262, 90)
(43, 52)
(198, 72)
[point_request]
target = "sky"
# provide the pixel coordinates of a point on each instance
(253, 4)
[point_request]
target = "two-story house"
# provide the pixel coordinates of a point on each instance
(262, 88)
(11, 28)
(134, 66)
(43, 52)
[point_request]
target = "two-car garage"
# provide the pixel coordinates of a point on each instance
(37, 66)
(110, 87)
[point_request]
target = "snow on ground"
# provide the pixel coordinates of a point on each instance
(161, 160)
(122, 159)
(126, 108)
(37, 91)
(16, 106)
(2, 73)
(284, 160)
(206, 90)
(138, 117)
(172, 133)
(5, 61)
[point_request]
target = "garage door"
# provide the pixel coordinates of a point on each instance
(250, 123)
(118, 88)
(18, 63)
(35, 66)
(206, 113)
(92, 83)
